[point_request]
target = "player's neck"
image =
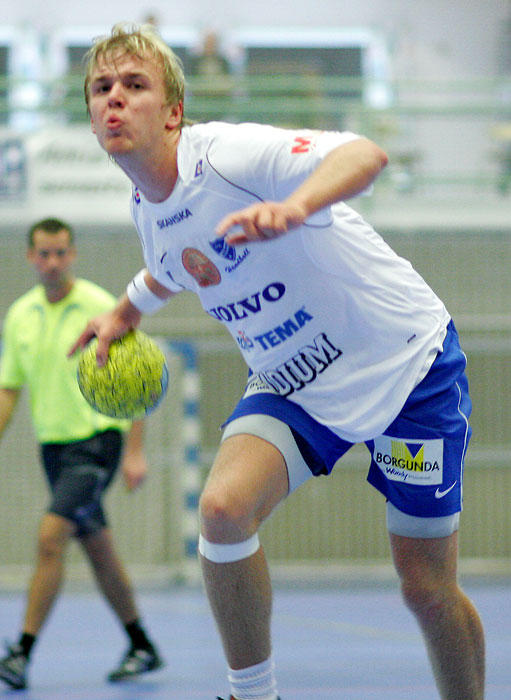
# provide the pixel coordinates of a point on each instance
(155, 175)
(55, 293)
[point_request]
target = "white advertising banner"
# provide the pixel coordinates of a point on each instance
(60, 172)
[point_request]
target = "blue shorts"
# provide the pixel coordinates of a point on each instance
(417, 463)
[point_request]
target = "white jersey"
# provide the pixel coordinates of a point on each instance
(327, 315)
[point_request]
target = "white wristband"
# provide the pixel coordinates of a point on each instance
(146, 301)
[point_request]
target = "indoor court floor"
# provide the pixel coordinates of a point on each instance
(354, 642)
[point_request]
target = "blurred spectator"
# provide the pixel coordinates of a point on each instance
(211, 80)
(151, 18)
(210, 62)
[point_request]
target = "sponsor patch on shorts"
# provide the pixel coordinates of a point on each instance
(416, 462)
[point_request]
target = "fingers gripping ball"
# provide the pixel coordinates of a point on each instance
(132, 382)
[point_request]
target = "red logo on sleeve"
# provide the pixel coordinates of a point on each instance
(302, 145)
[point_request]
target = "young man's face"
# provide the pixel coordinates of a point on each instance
(52, 256)
(127, 104)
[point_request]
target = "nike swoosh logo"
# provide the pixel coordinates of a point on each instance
(441, 494)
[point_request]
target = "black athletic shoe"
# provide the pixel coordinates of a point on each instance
(13, 667)
(136, 662)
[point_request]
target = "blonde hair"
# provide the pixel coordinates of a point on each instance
(134, 40)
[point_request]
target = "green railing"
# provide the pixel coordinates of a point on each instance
(292, 95)
(391, 113)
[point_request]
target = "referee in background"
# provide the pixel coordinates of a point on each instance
(80, 448)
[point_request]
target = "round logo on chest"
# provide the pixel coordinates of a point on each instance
(200, 267)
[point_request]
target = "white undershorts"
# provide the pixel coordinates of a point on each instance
(280, 436)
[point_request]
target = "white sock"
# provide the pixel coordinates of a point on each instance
(255, 682)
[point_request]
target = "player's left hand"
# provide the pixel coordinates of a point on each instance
(260, 222)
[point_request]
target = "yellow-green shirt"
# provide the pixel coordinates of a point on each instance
(37, 335)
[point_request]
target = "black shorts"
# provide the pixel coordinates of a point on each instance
(78, 474)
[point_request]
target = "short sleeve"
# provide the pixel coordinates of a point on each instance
(11, 372)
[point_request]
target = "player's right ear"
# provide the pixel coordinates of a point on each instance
(93, 128)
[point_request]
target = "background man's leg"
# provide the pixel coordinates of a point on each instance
(54, 534)
(110, 574)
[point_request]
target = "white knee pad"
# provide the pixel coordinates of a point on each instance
(226, 553)
(400, 523)
(280, 436)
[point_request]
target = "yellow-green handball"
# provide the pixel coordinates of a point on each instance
(133, 381)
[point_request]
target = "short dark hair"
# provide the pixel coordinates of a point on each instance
(49, 226)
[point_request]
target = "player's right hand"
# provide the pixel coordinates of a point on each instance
(106, 328)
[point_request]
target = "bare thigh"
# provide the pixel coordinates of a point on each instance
(247, 481)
